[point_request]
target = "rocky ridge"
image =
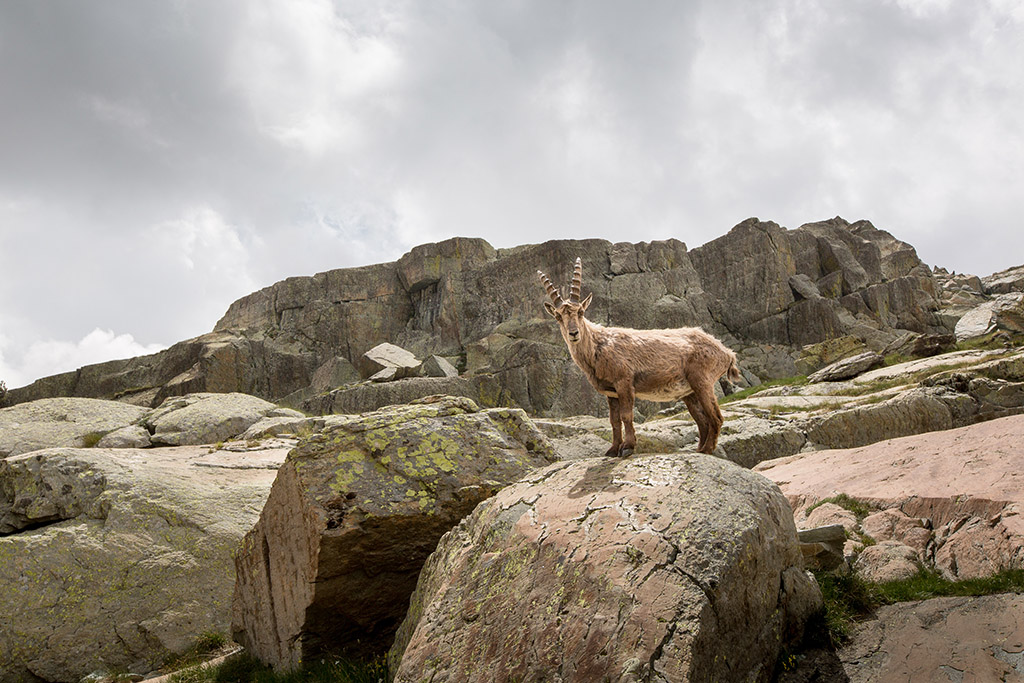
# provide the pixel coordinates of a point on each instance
(765, 290)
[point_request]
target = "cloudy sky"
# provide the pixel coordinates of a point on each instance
(160, 159)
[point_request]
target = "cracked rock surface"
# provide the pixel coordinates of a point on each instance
(115, 559)
(942, 639)
(353, 515)
(672, 567)
(965, 483)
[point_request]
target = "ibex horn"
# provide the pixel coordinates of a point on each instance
(556, 298)
(577, 281)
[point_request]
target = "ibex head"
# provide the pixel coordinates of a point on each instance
(567, 313)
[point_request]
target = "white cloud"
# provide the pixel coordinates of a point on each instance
(49, 357)
(310, 75)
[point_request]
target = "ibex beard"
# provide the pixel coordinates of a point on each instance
(654, 365)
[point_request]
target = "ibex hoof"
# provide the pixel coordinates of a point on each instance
(625, 452)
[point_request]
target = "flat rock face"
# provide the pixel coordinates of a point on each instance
(967, 482)
(116, 559)
(943, 639)
(53, 422)
(354, 513)
(640, 569)
(847, 368)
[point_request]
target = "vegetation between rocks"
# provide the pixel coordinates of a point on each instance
(859, 508)
(849, 598)
(245, 668)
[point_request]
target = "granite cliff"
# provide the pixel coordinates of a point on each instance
(765, 290)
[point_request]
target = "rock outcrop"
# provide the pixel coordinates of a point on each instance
(52, 422)
(355, 511)
(209, 418)
(192, 419)
(117, 559)
(955, 498)
(765, 290)
(664, 567)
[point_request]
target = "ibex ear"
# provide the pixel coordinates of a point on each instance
(586, 302)
(550, 308)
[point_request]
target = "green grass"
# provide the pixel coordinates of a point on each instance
(750, 391)
(247, 669)
(848, 598)
(91, 439)
(858, 507)
(207, 645)
(990, 342)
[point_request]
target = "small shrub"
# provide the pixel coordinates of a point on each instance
(859, 508)
(91, 439)
(3, 393)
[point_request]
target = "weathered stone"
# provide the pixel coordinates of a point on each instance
(921, 345)
(607, 569)
(823, 547)
(804, 287)
(748, 441)
(388, 356)
(895, 525)
(815, 356)
(943, 639)
(132, 436)
(208, 418)
(911, 412)
(847, 368)
(830, 514)
(354, 513)
(70, 422)
(387, 374)
(335, 372)
(116, 559)
(1005, 312)
(435, 366)
(276, 426)
(887, 561)
(1005, 281)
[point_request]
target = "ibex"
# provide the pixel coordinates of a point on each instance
(656, 365)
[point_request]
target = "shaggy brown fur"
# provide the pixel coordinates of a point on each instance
(655, 365)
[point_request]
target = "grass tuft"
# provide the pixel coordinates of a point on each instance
(859, 508)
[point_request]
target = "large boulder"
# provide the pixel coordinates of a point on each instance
(847, 368)
(965, 482)
(52, 422)
(388, 358)
(117, 559)
(665, 567)
(1004, 312)
(1005, 281)
(354, 513)
(209, 418)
